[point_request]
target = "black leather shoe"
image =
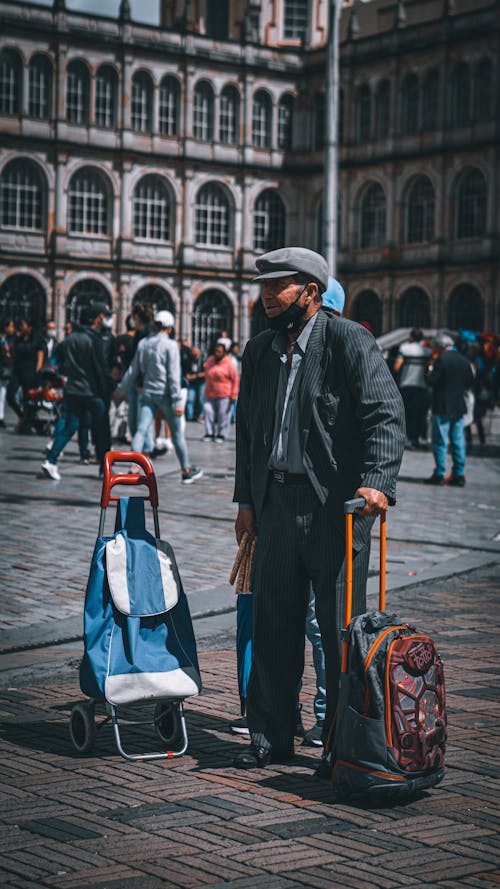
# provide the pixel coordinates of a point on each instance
(252, 757)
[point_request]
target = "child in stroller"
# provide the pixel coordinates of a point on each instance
(42, 406)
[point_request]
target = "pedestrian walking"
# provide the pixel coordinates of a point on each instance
(412, 364)
(7, 338)
(221, 391)
(450, 377)
(320, 420)
(195, 377)
(28, 360)
(85, 392)
(157, 364)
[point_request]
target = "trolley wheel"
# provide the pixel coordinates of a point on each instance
(168, 722)
(82, 728)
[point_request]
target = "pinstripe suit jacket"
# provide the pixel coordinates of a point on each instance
(351, 418)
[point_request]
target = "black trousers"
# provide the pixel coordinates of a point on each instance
(297, 543)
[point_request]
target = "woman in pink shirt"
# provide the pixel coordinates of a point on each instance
(222, 384)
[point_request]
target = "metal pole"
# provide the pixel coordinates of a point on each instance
(331, 135)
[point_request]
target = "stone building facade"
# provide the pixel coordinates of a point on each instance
(157, 163)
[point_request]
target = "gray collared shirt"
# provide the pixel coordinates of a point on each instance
(286, 454)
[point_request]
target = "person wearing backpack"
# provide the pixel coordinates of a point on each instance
(320, 420)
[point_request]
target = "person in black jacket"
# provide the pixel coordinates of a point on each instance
(86, 390)
(449, 379)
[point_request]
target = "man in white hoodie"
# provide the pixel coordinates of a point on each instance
(157, 362)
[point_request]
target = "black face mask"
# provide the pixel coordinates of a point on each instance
(291, 318)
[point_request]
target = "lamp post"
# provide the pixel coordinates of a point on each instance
(331, 136)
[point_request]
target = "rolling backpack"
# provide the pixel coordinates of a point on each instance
(389, 734)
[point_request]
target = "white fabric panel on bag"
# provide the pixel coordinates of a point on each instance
(170, 590)
(126, 688)
(116, 571)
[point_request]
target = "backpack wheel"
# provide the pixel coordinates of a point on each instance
(82, 728)
(168, 723)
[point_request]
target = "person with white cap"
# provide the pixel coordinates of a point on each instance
(320, 420)
(157, 361)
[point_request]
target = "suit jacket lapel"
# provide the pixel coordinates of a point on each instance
(313, 372)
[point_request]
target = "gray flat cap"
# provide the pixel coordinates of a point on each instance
(293, 261)
(443, 341)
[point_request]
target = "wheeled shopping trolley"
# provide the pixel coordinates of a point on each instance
(138, 636)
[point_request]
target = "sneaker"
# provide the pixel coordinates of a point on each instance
(189, 477)
(435, 479)
(169, 444)
(208, 438)
(458, 481)
(219, 439)
(51, 470)
(313, 738)
(240, 726)
(158, 452)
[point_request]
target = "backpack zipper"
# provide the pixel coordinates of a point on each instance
(371, 654)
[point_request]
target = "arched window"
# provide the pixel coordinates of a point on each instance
(382, 109)
(152, 209)
(77, 93)
(40, 87)
(21, 296)
(212, 216)
(88, 203)
(212, 314)
(142, 102)
(285, 122)
(470, 206)
(106, 89)
(410, 105)
(229, 119)
(156, 296)
(295, 19)
(460, 96)
(372, 217)
(363, 114)
(483, 90)
(262, 120)
(83, 294)
(11, 82)
(430, 111)
(22, 196)
(466, 308)
(419, 211)
(170, 95)
(414, 308)
(319, 122)
(368, 307)
(269, 221)
(203, 112)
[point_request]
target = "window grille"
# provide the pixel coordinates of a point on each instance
(483, 82)
(285, 122)
(10, 83)
(77, 93)
(211, 217)
(471, 206)
(21, 196)
(383, 110)
(261, 120)
(363, 114)
(461, 95)
(269, 221)
(105, 97)
(88, 204)
(319, 122)
(430, 116)
(229, 116)
(169, 107)
(212, 314)
(466, 309)
(420, 212)
(372, 217)
(410, 105)
(152, 210)
(39, 88)
(142, 102)
(296, 19)
(203, 112)
(156, 296)
(21, 296)
(414, 308)
(82, 294)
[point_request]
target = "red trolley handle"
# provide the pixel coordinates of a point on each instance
(135, 478)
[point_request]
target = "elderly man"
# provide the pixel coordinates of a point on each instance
(320, 420)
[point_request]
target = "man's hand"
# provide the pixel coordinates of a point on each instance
(179, 411)
(245, 521)
(376, 502)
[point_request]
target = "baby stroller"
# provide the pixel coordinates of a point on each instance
(138, 635)
(42, 406)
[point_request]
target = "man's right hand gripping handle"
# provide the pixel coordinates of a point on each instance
(245, 521)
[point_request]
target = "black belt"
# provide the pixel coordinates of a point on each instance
(289, 478)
